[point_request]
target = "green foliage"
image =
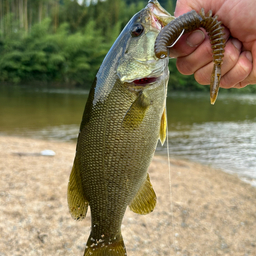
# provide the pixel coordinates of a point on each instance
(46, 56)
(179, 82)
(60, 41)
(67, 47)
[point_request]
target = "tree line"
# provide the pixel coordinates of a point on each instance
(64, 41)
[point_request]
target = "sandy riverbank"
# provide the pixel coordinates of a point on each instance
(212, 213)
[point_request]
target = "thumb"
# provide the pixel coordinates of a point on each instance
(187, 44)
(181, 8)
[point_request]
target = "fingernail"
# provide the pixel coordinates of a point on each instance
(237, 44)
(248, 55)
(195, 38)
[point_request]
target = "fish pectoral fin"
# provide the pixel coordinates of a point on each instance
(135, 114)
(163, 126)
(145, 200)
(77, 203)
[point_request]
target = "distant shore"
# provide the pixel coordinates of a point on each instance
(206, 211)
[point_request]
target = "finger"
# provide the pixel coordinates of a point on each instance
(231, 56)
(237, 77)
(199, 58)
(187, 44)
(184, 7)
(251, 79)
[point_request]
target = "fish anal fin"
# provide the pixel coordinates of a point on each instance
(136, 112)
(145, 200)
(163, 126)
(104, 246)
(77, 203)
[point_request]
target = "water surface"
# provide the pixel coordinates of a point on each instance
(223, 135)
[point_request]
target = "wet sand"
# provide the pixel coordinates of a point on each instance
(206, 211)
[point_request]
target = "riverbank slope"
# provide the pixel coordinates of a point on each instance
(206, 212)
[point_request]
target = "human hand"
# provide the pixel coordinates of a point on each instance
(193, 50)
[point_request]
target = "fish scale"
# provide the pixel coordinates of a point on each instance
(110, 169)
(122, 122)
(122, 162)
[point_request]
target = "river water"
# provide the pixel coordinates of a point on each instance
(223, 135)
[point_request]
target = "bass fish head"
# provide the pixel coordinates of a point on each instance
(131, 58)
(139, 65)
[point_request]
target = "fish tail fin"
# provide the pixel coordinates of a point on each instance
(105, 247)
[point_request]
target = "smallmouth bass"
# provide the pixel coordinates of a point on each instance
(123, 119)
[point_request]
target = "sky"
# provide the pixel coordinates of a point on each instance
(87, 2)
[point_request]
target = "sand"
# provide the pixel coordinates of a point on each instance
(206, 211)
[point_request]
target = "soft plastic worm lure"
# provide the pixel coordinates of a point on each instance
(189, 22)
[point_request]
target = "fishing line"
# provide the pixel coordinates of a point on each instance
(170, 181)
(178, 38)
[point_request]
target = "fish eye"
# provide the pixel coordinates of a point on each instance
(137, 30)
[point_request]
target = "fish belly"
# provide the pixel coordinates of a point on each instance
(114, 157)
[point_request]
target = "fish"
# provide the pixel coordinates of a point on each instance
(123, 120)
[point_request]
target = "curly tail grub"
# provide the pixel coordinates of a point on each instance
(189, 22)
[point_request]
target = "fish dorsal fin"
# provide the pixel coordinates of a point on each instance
(77, 202)
(136, 112)
(163, 127)
(145, 200)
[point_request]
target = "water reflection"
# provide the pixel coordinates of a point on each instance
(223, 135)
(59, 132)
(230, 146)
(26, 111)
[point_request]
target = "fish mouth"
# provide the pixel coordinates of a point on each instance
(139, 66)
(159, 16)
(145, 81)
